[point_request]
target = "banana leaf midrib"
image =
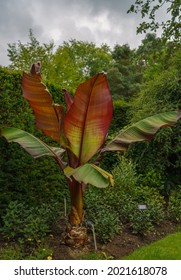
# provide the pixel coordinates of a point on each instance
(84, 123)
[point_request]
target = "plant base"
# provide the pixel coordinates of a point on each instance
(76, 236)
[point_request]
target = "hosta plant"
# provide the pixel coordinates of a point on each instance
(81, 132)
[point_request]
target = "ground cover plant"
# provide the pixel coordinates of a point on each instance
(81, 132)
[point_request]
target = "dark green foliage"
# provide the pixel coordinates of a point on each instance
(15, 251)
(159, 161)
(14, 109)
(106, 222)
(101, 214)
(124, 76)
(142, 221)
(110, 210)
(130, 195)
(174, 205)
(114, 208)
(57, 93)
(21, 177)
(120, 116)
(29, 224)
(120, 119)
(11, 252)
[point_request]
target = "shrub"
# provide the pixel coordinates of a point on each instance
(119, 120)
(106, 223)
(112, 208)
(21, 177)
(17, 252)
(125, 173)
(11, 252)
(101, 214)
(28, 224)
(174, 206)
(120, 116)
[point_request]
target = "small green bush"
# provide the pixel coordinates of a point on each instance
(124, 173)
(174, 206)
(28, 224)
(18, 252)
(112, 208)
(11, 252)
(106, 223)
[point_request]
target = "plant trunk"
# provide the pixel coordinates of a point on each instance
(76, 232)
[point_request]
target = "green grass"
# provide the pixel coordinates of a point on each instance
(169, 248)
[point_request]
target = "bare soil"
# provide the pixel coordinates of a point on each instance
(122, 244)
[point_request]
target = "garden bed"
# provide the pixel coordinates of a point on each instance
(121, 245)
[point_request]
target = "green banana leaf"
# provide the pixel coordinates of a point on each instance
(90, 174)
(142, 130)
(35, 147)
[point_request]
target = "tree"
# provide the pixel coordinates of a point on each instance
(150, 49)
(81, 132)
(77, 61)
(170, 28)
(23, 55)
(158, 164)
(124, 76)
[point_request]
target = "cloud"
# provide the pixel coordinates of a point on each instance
(102, 21)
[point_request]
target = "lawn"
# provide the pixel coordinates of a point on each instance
(169, 248)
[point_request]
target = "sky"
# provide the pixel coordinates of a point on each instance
(98, 21)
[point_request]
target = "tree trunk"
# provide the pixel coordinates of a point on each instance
(76, 232)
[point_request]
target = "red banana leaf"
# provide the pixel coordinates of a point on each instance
(88, 119)
(48, 116)
(68, 99)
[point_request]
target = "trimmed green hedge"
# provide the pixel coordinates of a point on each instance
(21, 177)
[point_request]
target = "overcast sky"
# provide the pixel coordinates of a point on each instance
(99, 21)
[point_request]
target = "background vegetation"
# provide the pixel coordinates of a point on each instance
(143, 81)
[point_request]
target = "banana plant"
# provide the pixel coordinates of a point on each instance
(81, 132)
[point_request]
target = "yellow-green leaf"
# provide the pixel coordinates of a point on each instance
(90, 174)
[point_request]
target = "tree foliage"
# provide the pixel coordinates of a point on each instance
(160, 161)
(76, 61)
(151, 8)
(124, 75)
(22, 55)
